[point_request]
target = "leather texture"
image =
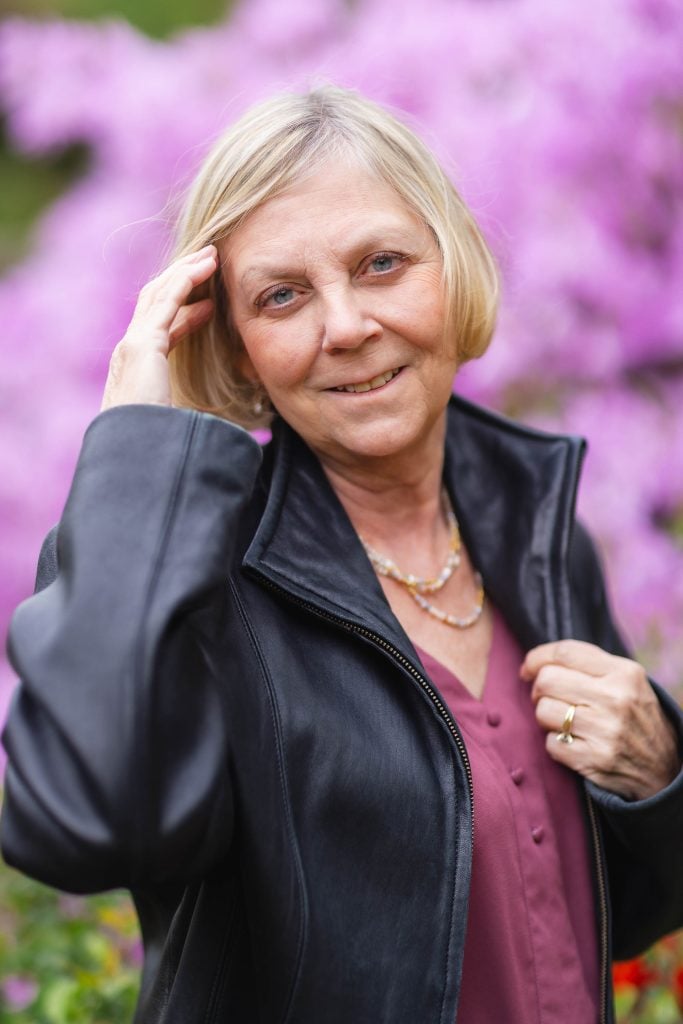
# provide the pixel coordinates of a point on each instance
(219, 711)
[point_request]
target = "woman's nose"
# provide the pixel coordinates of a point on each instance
(346, 324)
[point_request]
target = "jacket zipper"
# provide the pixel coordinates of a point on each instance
(433, 695)
(602, 898)
(379, 641)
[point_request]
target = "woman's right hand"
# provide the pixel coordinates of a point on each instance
(138, 369)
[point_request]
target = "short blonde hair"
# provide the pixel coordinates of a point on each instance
(265, 152)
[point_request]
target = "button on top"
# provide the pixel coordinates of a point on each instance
(537, 834)
(493, 718)
(517, 776)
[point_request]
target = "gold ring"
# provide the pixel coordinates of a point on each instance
(565, 736)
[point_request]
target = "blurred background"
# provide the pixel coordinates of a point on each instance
(565, 134)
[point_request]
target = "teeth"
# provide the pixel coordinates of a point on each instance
(369, 385)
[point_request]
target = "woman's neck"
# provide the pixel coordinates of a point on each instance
(395, 504)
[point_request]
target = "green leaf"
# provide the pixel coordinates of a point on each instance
(58, 999)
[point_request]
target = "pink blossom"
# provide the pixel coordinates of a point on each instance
(563, 132)
(19, 992)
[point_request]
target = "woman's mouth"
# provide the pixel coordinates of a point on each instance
(369, 385)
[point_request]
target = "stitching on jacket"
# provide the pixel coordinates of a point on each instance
(218, 984)
(448, 969)
(301, 941)
(140, 722)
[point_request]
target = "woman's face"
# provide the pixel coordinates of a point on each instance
(335, 288)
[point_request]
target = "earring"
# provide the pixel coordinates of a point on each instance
(261, 401)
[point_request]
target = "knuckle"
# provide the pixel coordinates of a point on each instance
(622, 705)
(563, 650)
(626, 699)
(543, 708)
(632, 674)
(120, 351)
(637, 677)
(147, 289)
(541, 677)
(544, 679)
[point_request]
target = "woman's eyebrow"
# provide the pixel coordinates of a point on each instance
(266, 271)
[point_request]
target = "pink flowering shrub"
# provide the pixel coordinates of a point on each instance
(565, 133)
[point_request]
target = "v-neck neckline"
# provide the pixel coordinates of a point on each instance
(426, 658)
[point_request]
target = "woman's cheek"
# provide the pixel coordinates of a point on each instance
(281, 361)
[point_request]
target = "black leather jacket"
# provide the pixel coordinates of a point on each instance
(219, 711)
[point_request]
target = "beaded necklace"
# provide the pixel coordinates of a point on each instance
(418, 586)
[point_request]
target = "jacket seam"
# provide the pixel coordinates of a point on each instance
(218, 984)
(570, 482)
(284, 787)
(448, 970)
(138, 691)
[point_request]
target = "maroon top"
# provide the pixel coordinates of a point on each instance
(531, 950)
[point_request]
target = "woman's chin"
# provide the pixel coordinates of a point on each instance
(367, 442)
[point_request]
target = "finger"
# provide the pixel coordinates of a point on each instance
(567, 684)
(575, 654)
(152, 287)
(207, 250)
(160, 311)
(552, 714)
(190, 318)
(190, 257)
(574, 755)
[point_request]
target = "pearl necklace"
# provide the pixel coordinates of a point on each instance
(418, 586)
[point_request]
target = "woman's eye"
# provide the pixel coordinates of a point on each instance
(278, 297)
(384, 262)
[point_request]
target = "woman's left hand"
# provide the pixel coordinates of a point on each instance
(620, 737)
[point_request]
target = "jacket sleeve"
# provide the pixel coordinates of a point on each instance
(643, 839)
(118, 769)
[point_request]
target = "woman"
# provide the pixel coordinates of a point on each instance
(316, 706)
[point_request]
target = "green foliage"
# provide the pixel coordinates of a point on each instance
(65, 959)
(28, 186)
(655, 1006)
(649, 988)
(155, 17)
(71, 960)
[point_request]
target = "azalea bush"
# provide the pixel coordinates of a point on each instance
(565, 134)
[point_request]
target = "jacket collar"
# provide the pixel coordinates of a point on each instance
(513, 489)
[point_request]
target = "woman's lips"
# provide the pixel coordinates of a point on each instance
(369, 385)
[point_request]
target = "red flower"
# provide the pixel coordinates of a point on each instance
(678, 986)
(633, 972)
